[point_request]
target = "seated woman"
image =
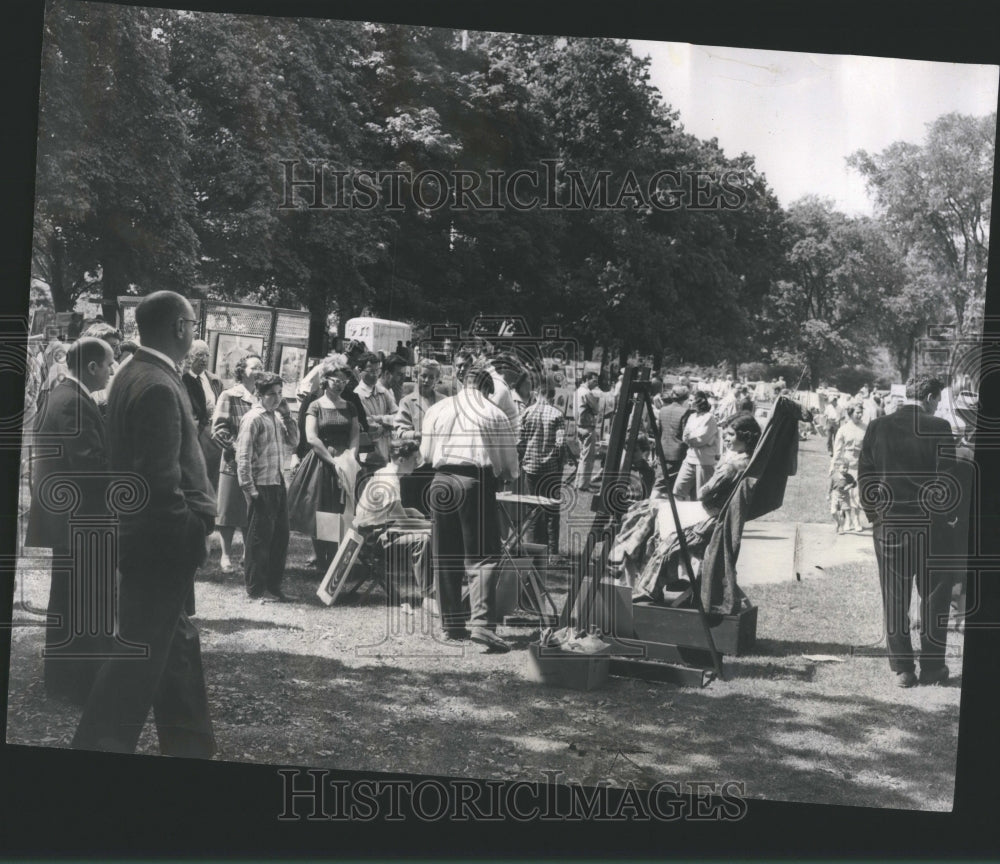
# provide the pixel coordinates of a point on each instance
(740, 438)
(664, 569)
(381, 504)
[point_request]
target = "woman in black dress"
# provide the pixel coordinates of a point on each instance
(331, 426)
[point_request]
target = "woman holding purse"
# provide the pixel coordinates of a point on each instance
(229, 410)
(332, 428)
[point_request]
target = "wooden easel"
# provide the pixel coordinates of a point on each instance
(610, 505)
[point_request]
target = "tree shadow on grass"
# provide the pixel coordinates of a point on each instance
(788, 743)
(228, 626)
(794, 647)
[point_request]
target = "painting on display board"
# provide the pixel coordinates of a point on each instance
(291, 368)
(230, 348)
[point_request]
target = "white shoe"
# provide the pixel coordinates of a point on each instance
(430, 606)
(225, 565)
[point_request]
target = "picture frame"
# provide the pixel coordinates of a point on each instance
(291, 367)
(340, 568)
(230, 348)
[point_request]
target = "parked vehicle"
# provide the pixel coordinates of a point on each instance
(378, 334)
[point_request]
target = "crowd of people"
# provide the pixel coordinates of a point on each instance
(362, 454)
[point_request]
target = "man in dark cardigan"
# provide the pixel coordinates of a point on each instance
(903, 455)
(151, 433)
(71, 441)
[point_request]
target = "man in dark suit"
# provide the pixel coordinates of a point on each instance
(152, 433)
(903, 454)
(70, 439)
(204, 388)
(672, 417)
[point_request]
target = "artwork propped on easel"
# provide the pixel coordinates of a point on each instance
(592, 597)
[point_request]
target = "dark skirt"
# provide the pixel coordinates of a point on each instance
(315, 486)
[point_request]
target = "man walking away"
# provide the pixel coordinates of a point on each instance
(902, 456)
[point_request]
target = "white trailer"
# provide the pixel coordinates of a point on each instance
(378, 334)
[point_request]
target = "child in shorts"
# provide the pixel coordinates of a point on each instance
(843, 503)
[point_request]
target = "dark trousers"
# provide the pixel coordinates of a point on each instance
(901, 553)
(466, 542)
(413, 488)
(152, 592)
(267, 540)
(407, 566)
(544, 523)
(80, 632)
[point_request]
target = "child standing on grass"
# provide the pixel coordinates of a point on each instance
(267, 434)
(843, 501)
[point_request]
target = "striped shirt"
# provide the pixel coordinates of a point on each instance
(264, 441)
(541, 438)
(468, 429)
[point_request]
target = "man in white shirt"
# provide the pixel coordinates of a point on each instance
(588, 406)
(472, 445)
(832, 415)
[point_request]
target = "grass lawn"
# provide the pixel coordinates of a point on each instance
(811, 715)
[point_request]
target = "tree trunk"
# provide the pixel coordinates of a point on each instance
(113, 285)
(57, 277)
(317, 323)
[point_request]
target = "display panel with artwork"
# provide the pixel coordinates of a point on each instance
(230, 349)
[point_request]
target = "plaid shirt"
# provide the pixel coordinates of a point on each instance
(541, 438)
(231, 408)
(261, 448)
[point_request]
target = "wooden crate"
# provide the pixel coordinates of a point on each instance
(732, 634)
(558, 668)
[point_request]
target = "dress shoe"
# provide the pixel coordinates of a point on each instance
(273, 597)
(937, 675)
(225, 565)
(906, 679)
(494, 644)
(454, 635)
(430, 606)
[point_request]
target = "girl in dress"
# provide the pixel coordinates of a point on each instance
(331, 429)
(229, 410)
